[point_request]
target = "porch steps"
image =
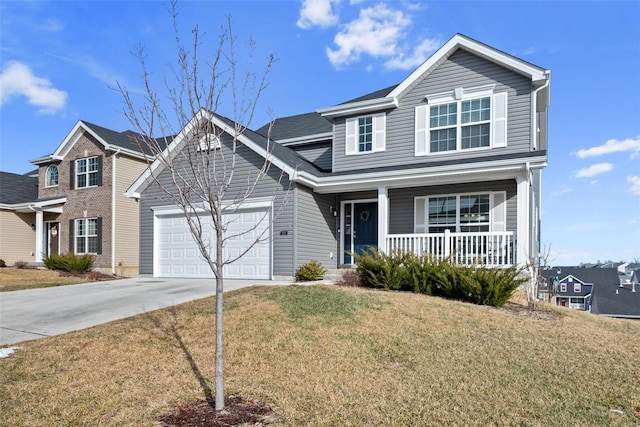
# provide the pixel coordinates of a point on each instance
(335, 274)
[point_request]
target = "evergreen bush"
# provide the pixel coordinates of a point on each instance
(380, 270)
(69, 262)
(313, 270)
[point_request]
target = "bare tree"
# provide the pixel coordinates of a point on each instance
(534, 283)
(195, 167)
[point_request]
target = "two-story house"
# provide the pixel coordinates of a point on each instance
(446, 162)
(80, 205)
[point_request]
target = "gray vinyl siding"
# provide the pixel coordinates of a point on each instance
(401, 202)
(316, 228)
(247, 164)
(461, 69)
(318, 154)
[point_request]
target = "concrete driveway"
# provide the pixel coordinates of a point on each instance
(39, 313)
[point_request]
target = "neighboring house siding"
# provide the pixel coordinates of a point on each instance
(318, 154)
(247, 164)
(18, 238)
(401, 202)
(461, 69)
(84, 202)
(316, 228)
(126, 216)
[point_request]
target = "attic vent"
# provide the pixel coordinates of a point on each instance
(208, 142)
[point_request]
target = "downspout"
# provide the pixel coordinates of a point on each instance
(113, 213)
(534, 115)
(294, 230)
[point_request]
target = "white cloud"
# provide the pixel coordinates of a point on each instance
(594, 170)
(635, 185)
(18, 79)
(613, 146)
(419, 55)
(561, 192)
(317, 13)
(376, 32)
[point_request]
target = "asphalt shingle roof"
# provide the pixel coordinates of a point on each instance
(297, 126)
(597, 276)
(16, 188)
(126, 139)
(617, 301)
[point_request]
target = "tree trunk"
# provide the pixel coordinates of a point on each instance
(219, 355)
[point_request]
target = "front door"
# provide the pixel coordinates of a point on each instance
(53, 238)
(360, 228)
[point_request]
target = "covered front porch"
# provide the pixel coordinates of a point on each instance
(471, 224)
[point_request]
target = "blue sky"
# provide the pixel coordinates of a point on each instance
(59, 62)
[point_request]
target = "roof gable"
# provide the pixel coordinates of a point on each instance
(390, 97)
(282, 157)
(123, 142)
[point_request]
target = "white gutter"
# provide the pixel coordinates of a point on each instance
(534, 110)
(359, 107)
(113, 212)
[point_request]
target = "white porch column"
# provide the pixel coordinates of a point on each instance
(383, 218)
(522, 230)
(39, 235)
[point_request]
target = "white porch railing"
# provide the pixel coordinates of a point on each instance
(481, 248)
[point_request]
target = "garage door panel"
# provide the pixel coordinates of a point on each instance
(178, 254)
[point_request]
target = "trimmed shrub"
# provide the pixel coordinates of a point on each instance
(380, 270)
(69, 262)
(20, 265)
(2, 263)
(313, 270)
(494, 286)
(443, 278)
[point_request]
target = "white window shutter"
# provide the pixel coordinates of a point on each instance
(499, 120)
(422, 131)
(499, 211)
(379, 130)
(351, 136)
(420, 215)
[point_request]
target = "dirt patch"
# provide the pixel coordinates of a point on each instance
(238, 411)
(540, 313)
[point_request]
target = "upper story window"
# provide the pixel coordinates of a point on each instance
(563, 287)
(51, 176)
(577, 288)
(463, 119)
(461, 213)
(365, 134)
(87, 172)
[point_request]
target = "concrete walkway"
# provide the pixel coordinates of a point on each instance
(38, 313)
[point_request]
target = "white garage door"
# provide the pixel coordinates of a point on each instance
(178, 254)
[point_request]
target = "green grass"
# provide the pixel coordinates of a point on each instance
(328, 356)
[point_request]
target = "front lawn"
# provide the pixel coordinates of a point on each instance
(327, 356)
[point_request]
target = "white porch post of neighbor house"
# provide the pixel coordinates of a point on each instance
(383, 218)
(39, 235)
(522, 230)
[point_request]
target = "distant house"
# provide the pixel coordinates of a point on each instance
(76, 202)
(17, 219)
(622, 300)
(574, 287)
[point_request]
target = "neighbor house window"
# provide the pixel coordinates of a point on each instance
(365, 134)
(462, 119)
(86, 230)
(577, 288)
(563, 287)
(87, 172)
(51, 176)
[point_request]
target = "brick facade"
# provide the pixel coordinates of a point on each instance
(88, 202)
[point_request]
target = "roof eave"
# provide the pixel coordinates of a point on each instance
(360, 107)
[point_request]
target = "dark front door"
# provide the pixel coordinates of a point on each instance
(360, 228)
(53, 238)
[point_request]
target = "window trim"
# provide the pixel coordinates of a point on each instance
(498, 103)
(87, 236)
(577, 288)
(563, 287)
(497, 211)
(87, 173)
(46, 176)
(378, 140)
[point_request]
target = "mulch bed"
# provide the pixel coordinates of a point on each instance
(238, 411)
